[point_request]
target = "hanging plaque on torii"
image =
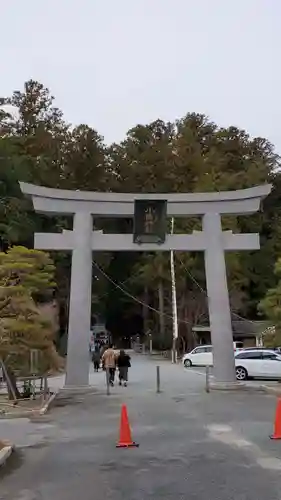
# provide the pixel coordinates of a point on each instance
(150, 212)
(150, 221)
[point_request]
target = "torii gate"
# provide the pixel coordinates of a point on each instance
(82, 241)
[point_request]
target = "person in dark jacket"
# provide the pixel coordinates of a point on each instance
(96, 357)
(123, 363)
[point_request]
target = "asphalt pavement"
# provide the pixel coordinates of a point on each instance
(192, 445)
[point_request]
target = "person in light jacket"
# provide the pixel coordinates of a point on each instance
(109, 363)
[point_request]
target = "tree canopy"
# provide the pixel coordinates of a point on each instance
(192, 154)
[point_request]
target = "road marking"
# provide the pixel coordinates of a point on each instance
(226, 435)
(269, 463)
(203, 374)
(27, 495)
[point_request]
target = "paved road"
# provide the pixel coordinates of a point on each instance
(193, 445)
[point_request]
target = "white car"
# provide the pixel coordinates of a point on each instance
(249, 362)
(258, 363)
(200, 356)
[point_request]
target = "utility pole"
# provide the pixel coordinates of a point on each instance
(174, 301)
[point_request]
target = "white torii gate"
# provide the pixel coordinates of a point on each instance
(82, 241)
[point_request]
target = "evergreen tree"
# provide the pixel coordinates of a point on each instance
(26, 276)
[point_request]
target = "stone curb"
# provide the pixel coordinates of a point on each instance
(5, 453)
(245, 388)
(228, 387)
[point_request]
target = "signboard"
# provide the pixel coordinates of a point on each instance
(150, 221)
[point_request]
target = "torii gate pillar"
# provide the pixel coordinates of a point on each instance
(82, 240)
(79, 321)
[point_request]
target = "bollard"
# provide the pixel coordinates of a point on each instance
(157, 379)
(143, 348)
(107, 382)
(207, 378)
(46, 388)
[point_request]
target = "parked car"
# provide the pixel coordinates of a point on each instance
(263, 363)
(258, 348)
(200, 356)
(258, 363)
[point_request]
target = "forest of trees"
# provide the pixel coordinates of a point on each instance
(192, 154)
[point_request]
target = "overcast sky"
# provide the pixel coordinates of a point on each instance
(115, 63)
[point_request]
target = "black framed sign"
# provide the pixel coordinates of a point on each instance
(150, 221)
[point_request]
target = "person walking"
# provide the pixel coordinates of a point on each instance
(96, 358)
(109, 363)
(102, 347)
(123, 363)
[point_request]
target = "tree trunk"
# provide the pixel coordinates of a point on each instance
(145, 311)
(11, 383)
(161, 310)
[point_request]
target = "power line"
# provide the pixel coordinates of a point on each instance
(205, 293)
(107, 293)
(138, 301)
(135, 299)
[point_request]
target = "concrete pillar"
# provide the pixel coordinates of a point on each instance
(79, 323)
(218, 300)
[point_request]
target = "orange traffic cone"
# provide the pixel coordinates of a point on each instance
(277, 424)
(125, 439)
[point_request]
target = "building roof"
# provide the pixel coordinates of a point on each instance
(239, 327)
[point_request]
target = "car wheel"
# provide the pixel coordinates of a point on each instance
(241, 373)
(187, 363)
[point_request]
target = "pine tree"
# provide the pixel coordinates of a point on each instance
(26, 276)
